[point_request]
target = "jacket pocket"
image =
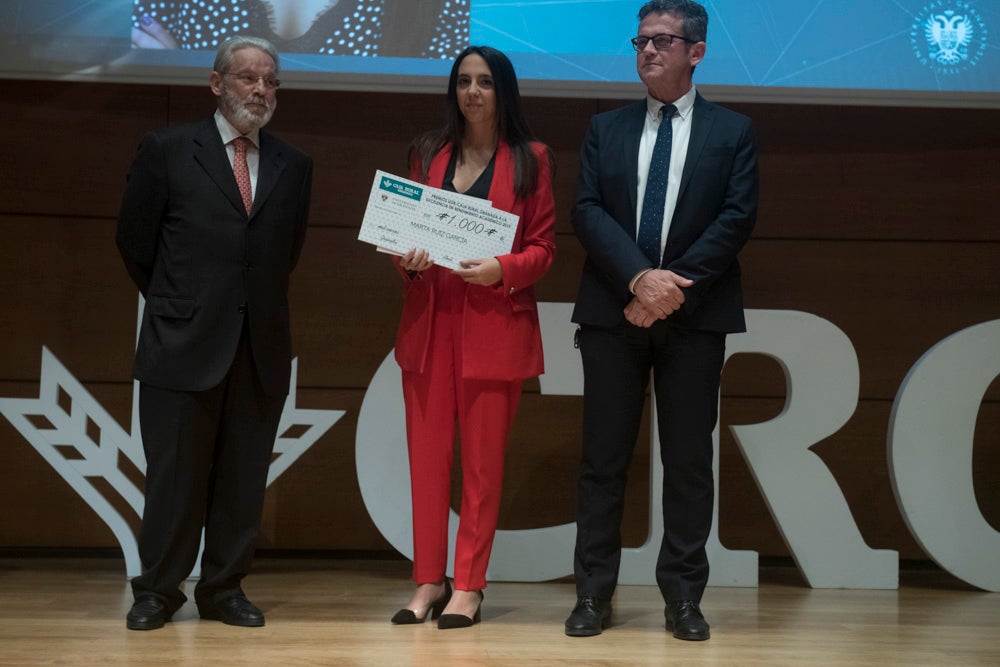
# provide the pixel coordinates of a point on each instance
(172, 307)
(523, 299)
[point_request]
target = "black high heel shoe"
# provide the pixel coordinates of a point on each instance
(452, 621)
(407, 617)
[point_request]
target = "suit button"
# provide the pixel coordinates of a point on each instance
(242, 308)
(249, 266)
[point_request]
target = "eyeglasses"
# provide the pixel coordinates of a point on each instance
(250, 80)
(661, 42)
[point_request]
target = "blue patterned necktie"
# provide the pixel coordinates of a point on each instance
(653, 202)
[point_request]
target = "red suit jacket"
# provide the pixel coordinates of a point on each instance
(501, 337)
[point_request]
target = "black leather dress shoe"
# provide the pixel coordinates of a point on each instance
(235, 610)
(589, 617)
(685, 619)
(147, 613)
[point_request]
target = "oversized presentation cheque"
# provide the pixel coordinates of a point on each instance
(404, 214)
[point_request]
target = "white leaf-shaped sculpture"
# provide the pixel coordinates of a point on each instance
(83, 443)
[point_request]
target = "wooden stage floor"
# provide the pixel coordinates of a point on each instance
(57, 611)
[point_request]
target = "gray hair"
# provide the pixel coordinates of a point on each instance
(224, 56)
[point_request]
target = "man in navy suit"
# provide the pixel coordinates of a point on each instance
(660, 290)
(212, 223)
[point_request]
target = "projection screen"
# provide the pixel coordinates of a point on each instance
(886, 52)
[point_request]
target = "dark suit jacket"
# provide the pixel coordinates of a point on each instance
(203, 264)
(715, 214)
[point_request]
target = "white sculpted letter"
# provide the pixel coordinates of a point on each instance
(821, 371)
(801, 493)
(930, 453)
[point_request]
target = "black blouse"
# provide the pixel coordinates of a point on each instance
(480, 189)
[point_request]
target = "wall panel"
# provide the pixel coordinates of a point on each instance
(880, 220)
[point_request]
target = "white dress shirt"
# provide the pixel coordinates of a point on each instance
(681, 126)
(681, 123)
(228, 133)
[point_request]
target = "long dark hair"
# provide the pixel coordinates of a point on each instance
(512, 129)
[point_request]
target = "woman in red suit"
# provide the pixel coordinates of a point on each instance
(468, 338)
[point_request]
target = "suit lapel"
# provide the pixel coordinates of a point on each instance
(702, 118)
(502, 187)
(211, 155)
(268, 171)
(631, 136)
(439, 164)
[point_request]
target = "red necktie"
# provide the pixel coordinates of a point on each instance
(242, 171)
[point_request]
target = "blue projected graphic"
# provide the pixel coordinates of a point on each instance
(581, 46)
(878, 44)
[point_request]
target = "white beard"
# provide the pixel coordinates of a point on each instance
(242, 115)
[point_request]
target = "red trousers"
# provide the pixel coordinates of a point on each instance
(484, 410)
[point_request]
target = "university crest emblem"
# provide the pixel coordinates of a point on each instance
(948, 37)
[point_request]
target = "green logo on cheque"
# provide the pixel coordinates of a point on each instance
(400, 188)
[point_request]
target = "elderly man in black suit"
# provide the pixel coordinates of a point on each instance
(667, 197)
(212, 223)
